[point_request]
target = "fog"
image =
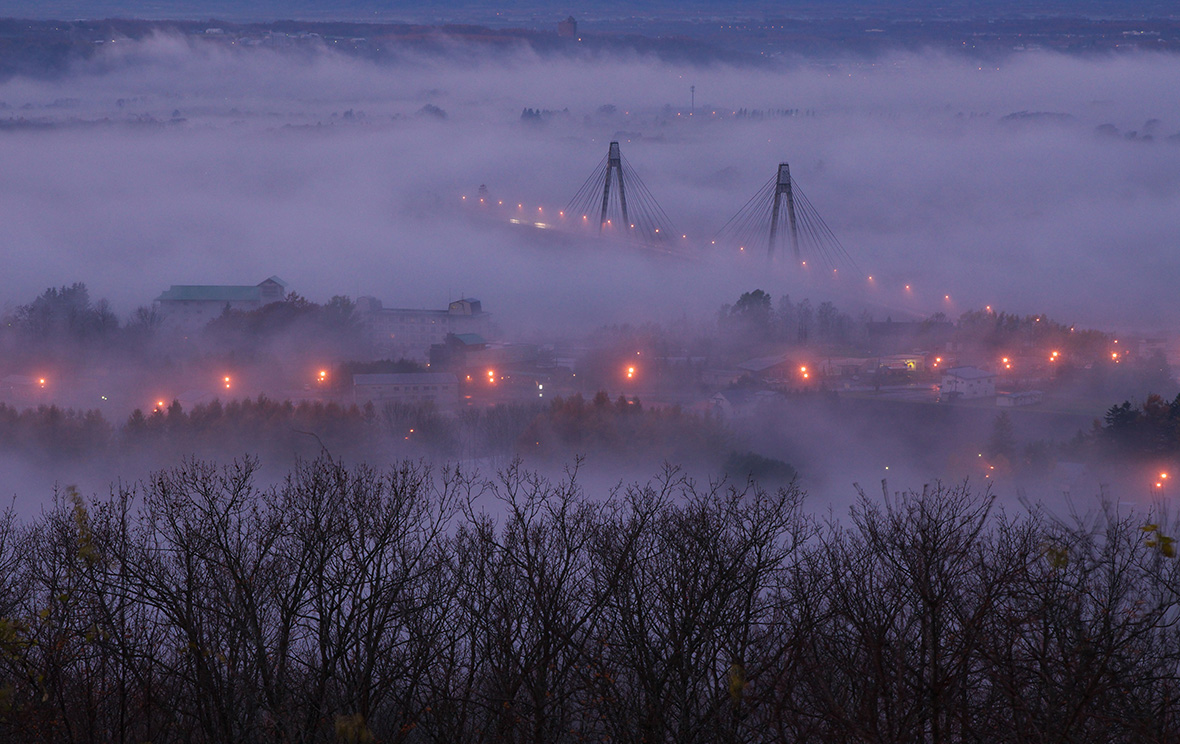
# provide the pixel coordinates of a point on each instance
(910, 160)
(174, 161)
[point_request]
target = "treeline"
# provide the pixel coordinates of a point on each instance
(412, 605)
(1000, 331)
(754, 319)
(1150, 429)
(558, 429)
(65, 328)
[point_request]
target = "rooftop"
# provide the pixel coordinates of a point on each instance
(218, 292)
(762, 364)
(968, 373)
(406, 378)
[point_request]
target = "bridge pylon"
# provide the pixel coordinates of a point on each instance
(778, 214)
(614, 166)
(782, 191)
(625, 208)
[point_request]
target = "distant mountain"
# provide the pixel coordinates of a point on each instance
(533, 12)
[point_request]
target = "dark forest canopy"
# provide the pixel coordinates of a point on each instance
(557, 430)
(408, 605)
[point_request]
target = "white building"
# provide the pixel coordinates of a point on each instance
(404, 333)
(194, 305)
(1025, 398)
(440, 388)
(966, 382)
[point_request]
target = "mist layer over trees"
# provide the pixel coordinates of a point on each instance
(348, 604)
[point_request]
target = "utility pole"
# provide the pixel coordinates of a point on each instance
(693, 105)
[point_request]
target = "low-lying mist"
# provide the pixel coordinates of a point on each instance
(1042, 184)
(201, 163)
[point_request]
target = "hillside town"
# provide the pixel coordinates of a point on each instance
(228, 341)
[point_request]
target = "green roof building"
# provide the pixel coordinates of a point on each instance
(197, 304)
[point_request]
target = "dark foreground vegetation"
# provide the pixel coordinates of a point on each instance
(431, 606)
(554, 430)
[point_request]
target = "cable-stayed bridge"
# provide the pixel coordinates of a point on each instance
(780, 219)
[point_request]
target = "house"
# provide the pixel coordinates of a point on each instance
(407, 333)
(845, 366)
(966, 382)
(440, 388)
(780, 369)
(915, 362)
(739, 403)
(1025, 398)
(717, 377)
(194, 305)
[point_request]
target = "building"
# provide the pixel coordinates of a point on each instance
(731, 404)
(850, 367)
(915, 362)
(966, 382)
(1024, 398)
(778, 370)
(440, 388)
(397, 333)
(195, 305)
(568, 28)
